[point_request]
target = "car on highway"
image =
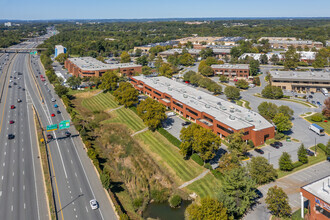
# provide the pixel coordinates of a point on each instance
(45, 84)
(56, 106)
(53, 100)
(14, 77)
(49, 136)
(53, 115)
(23, 89)
(12, 106)
(19, 100)
(185, 123)
(275, 145)
(36, 76)
(11, 136)
(9, 86)
(15, 83)
(11, 122)
(68, 134)
(94, 204)
(309, 152)
(258, 150)
(58, 112)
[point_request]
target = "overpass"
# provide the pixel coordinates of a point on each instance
(21, 50)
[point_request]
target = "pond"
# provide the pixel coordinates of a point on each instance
(163, 211)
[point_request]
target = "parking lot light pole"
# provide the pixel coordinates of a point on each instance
(315, 147)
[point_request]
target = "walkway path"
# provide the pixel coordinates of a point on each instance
(138, 132)
(114, 109)
(193, 180)
(98, 93)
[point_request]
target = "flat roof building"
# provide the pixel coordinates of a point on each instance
(146, 48)
(59, 49)
(284, 44)
(167, 53)
(232, 70)
(311, 81)
(318, 195)
(219, 115)
(88, 66)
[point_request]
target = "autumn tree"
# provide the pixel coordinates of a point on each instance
(326, 109)
(187, 60)
(291, 58)
(152, 113)
(125, 57)
(227, 162)
(166, 70)
(261, 171)
(209, 209)
(126, 94)
(236, 144)
(277, 202)
(272, 92)
(207, 71)
(109, 80)
(232, 92)
(242, 84)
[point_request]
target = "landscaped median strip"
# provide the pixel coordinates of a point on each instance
(288, 100)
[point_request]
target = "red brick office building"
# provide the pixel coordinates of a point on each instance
(223, 117)
(232, 71)
(318, 195)
(88, 66)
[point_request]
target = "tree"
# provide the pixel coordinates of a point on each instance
(61, 90)
(61, 58)
(285, 162)
(263, 59)
(175, 201)
(291, 58)
(138, 52)
(187, 59)
(74, 82)
(209, 209)
(268, 110)
(254, 67)
(100, 58)
(286, 110)
(125, 57)
(205, 53)
(227, 162)
(326, 109)
(202, 64)
(232, 92)
(166, 70)
(322, 57)
(173, 59)
(126, 94)
(242, 84)
(187, 76)
(277, 202)
(274, 59)
(214, 87)
(109, 80)
(235, 52)
(142, 60)
(158, 62)
(317, 117)
(105, 180)
(282, 122)
(207, 71)
(211, 60)
(189, 45)
(302, 154)
(237, 192)
(223, 78)
(272, 92)
(194, 79)
(236, 143)
(200, 140)
(261, 171)
(151, 112)
(146, 70)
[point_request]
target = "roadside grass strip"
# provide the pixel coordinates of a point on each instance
(100, 102)
(205, 186)
(127, 117)
(325, 125)
(169, 157)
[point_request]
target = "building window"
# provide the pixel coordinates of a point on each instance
(148, 88)
(157, 93)
(246, 133)
(208, 119)
(191, 111)
(225, 129)
(178, 104)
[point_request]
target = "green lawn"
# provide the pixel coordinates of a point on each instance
(127, 117)
(325, 125)
(100, 102)
(206, 186)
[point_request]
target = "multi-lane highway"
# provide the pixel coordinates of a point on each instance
(75, 180)
(22, 193)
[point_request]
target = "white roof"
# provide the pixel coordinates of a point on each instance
(223, 111)
(231, 66)
(301, 75)
(92, 64)
(320, 189)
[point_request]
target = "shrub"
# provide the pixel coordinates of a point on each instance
(317, 117)
(217, 174)
(175, 201)
(208, 166)
(285, 162)
(137, 203)
(197, 159)
(279, 136)
(250, 143)
(297, 164)
(159, 196)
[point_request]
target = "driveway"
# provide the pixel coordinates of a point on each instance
(291, 185)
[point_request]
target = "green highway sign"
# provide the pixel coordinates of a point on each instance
(52, 127)
(64, 124)
(33, 52)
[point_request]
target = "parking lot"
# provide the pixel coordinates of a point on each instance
(173, 124)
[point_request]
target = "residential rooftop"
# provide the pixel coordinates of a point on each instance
(231, 66)
(300, 75)
(223, 111)
(230, 39)
(92, 64)
(320, 189)
(179, 51)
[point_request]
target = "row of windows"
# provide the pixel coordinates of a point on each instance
(281, 81)
(225, 129)
(178, 104)
(147, 88)
(157, 93)
(209, 119)
(191, 111)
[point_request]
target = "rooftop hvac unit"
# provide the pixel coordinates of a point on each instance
(169, 88)
(237, 110)
(231, 117)
(223, 108)
(219, 103)
(199, 97)
(185, 95)
(207, 106)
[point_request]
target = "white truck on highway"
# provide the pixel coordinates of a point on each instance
(317, 129)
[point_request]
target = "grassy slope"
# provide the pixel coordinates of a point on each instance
(100, 102)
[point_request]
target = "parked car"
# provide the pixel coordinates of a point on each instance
(309, 152)
(279, 143)
(170, 114)
(275, 145)
(186, 123)
(328, 158)
(258, 150)
(58, 112)
(18, 100)
(168, 127)
(310, 96)
(53, 100)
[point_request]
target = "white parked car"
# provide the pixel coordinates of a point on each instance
(94, 204)
(170, 114)
(53, 100)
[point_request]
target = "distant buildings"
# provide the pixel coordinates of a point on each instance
(301, 81)
(59, 49)
(306, 56)
(232, 71)
(218, 52)
(198, 40)
(286, 42)
(278, 38)
(7, 24)
(88, 66)
(146, 48)
(221, 116)
(318, 199)
(230, 41)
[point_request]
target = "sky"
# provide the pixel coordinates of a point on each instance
(131, 9)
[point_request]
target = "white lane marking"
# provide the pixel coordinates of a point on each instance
(76, 216)
(86, 208)
(13, 161)
(6, 143)
(24, 206)
(23, 187)
(12, 189)
(13, 173)
(0, 193)
(22, 149)
(69, 187)
(75, 174)
(71, 162)
(23, 160)
(23, 172)
(74, 209)
(3, 164)
(12, 208)
(80, 190)
(14, 150)
(1, 177)
(5, 152)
